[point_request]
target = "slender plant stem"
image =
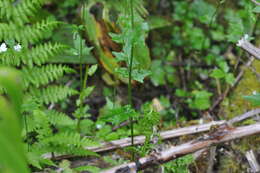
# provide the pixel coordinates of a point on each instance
(130, 76)
(84, 85)
(81, 71)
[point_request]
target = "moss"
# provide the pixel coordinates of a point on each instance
(236, 105)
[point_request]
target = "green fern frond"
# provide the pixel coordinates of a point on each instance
(41, 53)
(38, 76)
(59, 119)
(27, 34)
(52, 94)
(10, 58)
(38, 55)
(69, 139)
(20, 11)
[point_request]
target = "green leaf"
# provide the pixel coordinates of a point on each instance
(218, 74)
(256, 9)
(92, 69)
(201, 100)
(181, 93)
(158, 74)
(139, 75)
(230, 79)
(91, 169)
(118, 115)
(156, 22)
(254, 99)
(12, 156)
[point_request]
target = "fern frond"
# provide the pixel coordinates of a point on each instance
(52, 94)
(41, 53)
(59, 119)
(38, 76)
(21, 11)
(38, 55)
(10, 58)
(69, 139)
(27, 34)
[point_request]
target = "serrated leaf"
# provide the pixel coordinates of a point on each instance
(118, 115)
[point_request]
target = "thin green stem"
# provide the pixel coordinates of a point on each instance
(81, 97)
(82, 82)
(130, 76)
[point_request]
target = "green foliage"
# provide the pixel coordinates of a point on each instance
(254, 99)
(38, 76)
(133, 39)
(12, 156)
(26, 46)
(147, 125)
(201, 100)
(179, 165)
(223, 73)
(26, 49)
(118, 115)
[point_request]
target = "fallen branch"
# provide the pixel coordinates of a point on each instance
(221, 135)
(244, 116)
(248, 47)
(250, 156)
(121, 143)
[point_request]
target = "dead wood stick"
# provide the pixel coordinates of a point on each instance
(121, 143)
(220, 136)
(244, 116)
(249, 47)
(250, 156)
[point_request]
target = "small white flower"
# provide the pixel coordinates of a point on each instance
(99, 126)
(246, 37)
(254, 93)
(17, 47)
(3, 47)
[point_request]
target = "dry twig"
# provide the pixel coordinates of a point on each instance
(221, 135)
(249, 47)
(250, 156)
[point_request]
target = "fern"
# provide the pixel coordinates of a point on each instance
(52, 94)
(21, 11)
(38, 76)
(59, 119)
(27, 49)
(29, 35)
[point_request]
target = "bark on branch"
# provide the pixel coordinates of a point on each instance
(223, 134)
(248, 47)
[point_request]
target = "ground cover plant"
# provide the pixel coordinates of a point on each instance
(129, 86)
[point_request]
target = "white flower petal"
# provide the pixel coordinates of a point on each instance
(3, 47)
(17, 47)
